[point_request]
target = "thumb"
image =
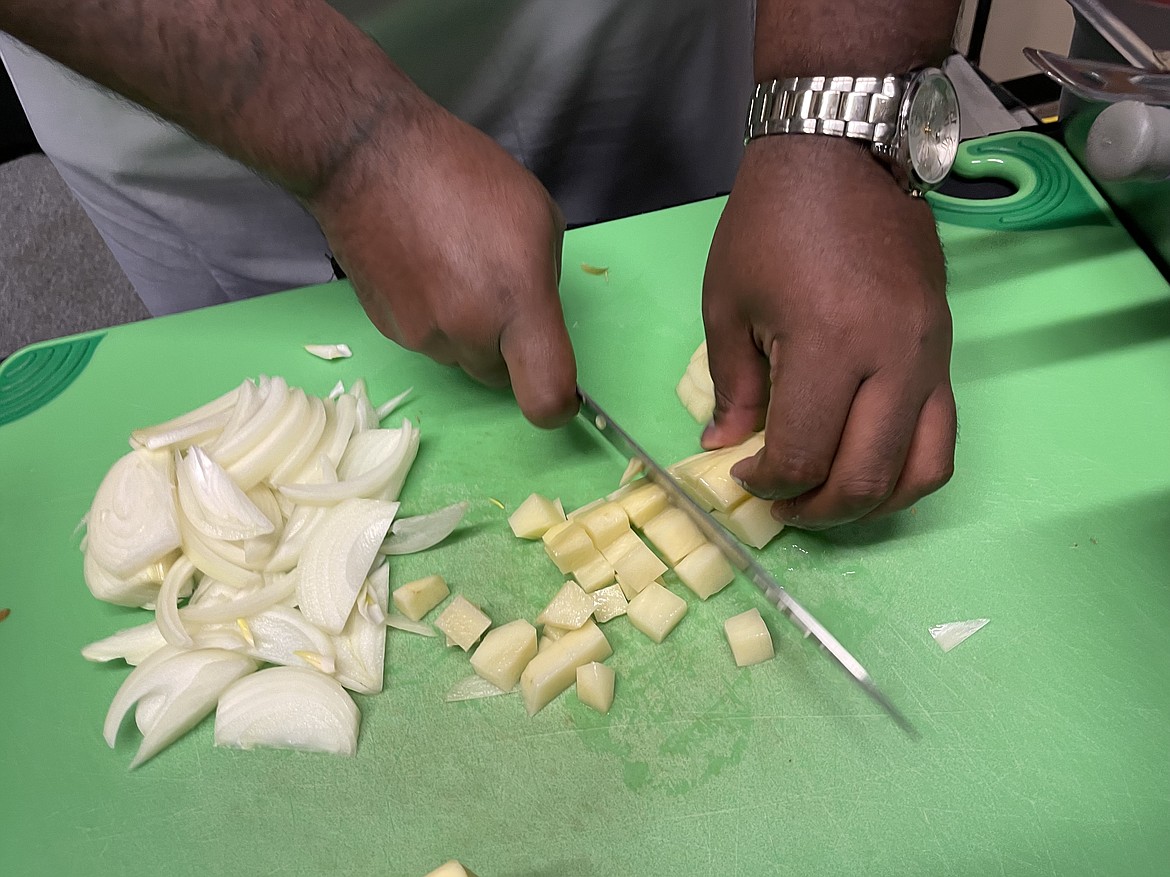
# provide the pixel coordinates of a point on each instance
(536, 348)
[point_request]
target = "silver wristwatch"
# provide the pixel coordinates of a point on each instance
(911, 122)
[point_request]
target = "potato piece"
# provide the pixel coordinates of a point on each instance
(594, 575)
(553, 633)
(463, 622)
(656, 611)
(595, 686)
(605, 523)
(551, 534)
(623, 543)
(751, 522)
(637, 568)
(415, 599)
(673, 534)
(504, 653)
(534, 516)
(705, 571)
(576, 513)
(570, 608)
(543, 644)
(571, 548)
(643, 503)
(748, 636)
(555, 669)
(609, 603)
(450, 869)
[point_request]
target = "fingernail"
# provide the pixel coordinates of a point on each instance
(708, 430)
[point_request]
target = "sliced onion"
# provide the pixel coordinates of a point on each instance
(288, 708)
(139, 589)
(210, 562)
(374, 597)
(329, 351)
(247, 602)
(391, 405)
(375, 465)
(337, 390)
(474, 688)
(204, 421)
(248, 401)
(309, 436)
(280, 438)
(132, 522)
(418, 533)
(235, 443)
(214, 503)
(283, 636)
(401, 622)
(361, 648)
(132, 645)
(166, 613)
(337, 558)
(367, 417)
(300, 526)
(190, 683)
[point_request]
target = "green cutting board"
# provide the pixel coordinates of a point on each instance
(1045, 738)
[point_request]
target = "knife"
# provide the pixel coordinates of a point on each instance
(739, 557)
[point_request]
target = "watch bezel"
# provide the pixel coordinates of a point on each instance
(902, 164)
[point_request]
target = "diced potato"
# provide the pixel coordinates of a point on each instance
(569, 609)
(619, 546)
(571, 548)
(534, 516)
(543, 644)
(751, 522)
(610, 603)
(504, 653)
(415, 599)
(705, 571)
(656, 611)
(637, 568)
(595, 686)
(594, 575)
(553, 633)
(673, 534)
(555, 669)
(696, 389)
(643, 503)
(605, 523)
(450, 869)
(718, 488)
(748, 636)
(553, 532)
(463, 622)
(585, 509)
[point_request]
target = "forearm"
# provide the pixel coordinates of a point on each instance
(850, 37)
(289, 87)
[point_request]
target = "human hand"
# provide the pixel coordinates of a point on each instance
(454, 250)
(825, 309)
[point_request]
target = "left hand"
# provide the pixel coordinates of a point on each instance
(825, 308)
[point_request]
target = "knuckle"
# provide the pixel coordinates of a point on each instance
(937, 478)
(865, 491)
(794, 470)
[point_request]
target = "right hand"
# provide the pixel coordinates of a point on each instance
(454, 250)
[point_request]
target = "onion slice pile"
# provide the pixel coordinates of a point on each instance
(257, 527)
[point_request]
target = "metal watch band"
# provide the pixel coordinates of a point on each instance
(862, 107)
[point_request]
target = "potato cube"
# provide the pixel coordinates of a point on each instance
(594, 575)
(504, 653)
(644, 503)
(543, 644)
(569, 609)
(637, 567)
(552, 633)
(751, 522)
(673, 534)
(450, 869)
(571, 548)
(619, 546)
(534, 516)
(551, 534)
(718, 488)
(576, 513)
(415, 599)
(463, 622)
(595, 686)
(656, 611)
(610, 603)
(555, 669)
(748, 636)
(605, 523)
(705, 571)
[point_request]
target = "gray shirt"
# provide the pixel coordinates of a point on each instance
(617, 106)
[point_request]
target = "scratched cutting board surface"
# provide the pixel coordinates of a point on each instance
(1045, 746)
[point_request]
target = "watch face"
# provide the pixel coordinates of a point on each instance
(932, 128)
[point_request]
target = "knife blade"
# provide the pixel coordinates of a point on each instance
(739, 558)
